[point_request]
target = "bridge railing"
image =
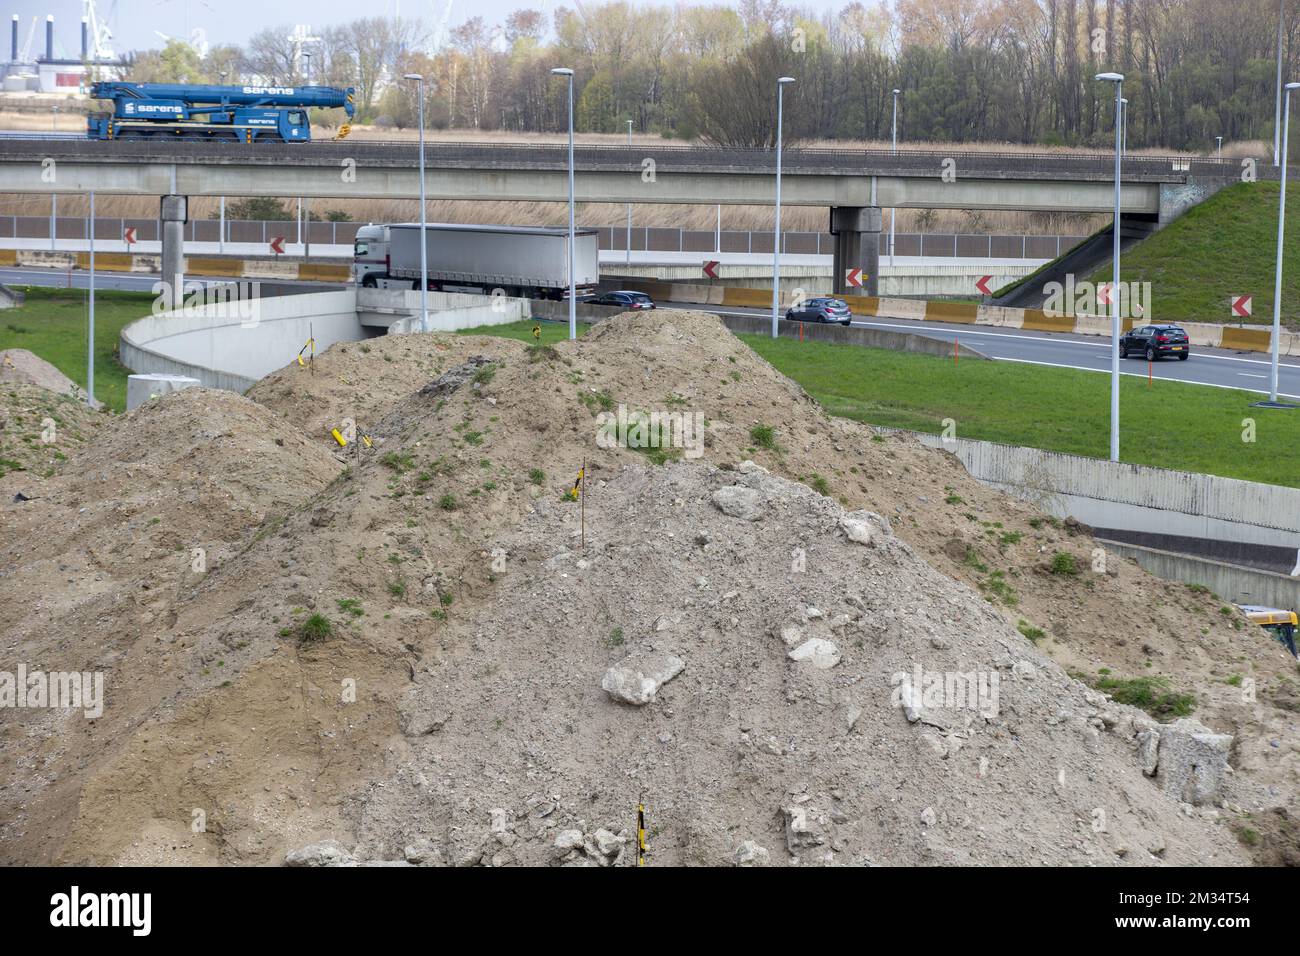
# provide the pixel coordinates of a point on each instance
(614, 238)
(829, 160)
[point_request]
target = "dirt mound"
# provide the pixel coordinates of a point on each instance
(783, 725)
(107, 551)
(23, 367)
(38, 429)
(277, 690)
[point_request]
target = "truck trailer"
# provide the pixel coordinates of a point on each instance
(232, 114)
(528, 261)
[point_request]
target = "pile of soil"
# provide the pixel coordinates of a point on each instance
(38, 430)
(388, 642)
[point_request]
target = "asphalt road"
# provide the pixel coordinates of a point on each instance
(1219, 368)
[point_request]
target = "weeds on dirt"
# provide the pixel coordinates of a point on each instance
(1151, 694)
(315, 628)
(1064, 563)
(763, 436)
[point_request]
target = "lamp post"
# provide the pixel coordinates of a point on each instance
(781, 84)
(54, 197)
(629, 205)
(1123, 116)
(1277, 107)
(1118, 80)
(90, 300)
(894, 151)
(424, 237)
(573, 292)
(1277, 268)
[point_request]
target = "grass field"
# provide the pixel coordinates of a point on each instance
(1171, 424)
(1223, 247)
(52, 323)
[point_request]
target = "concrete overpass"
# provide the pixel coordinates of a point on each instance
(853, 184)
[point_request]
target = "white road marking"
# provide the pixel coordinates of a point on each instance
(1251, 375)
(1106, 371)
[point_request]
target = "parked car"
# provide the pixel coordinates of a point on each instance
(624, 300)
(1155, 341)
(820, 309)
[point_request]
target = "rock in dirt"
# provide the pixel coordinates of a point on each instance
(739, 502)
(637, 678)
(325, 853)
(750, 853)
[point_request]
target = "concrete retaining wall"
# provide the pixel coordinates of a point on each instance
(844, 335)
(1140, 497)
(448, 311)
(224, 349)
(1229, 581)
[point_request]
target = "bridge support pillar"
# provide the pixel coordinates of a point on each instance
(857, 246)
(172, 216)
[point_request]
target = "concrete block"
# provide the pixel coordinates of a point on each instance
(1191, 761)
(141, 388)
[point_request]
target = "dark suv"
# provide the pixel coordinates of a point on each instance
(624, 300)
(1155, 341)
(820, 310)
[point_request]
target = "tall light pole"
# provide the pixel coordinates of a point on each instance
(221, 235)
(90, 299)
(1218, 147)
(424, 236)
(573, 291)
(893, 150)
(1118, 80)
(1277, 268)
(781, 84)
(54, 197)
(1123, 116)
(1277, 108)
(629, 205)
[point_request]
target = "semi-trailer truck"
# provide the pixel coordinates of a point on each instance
(529, 261)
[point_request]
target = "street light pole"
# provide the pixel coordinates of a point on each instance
(1218, 147)
(90, 348)
(629, 205)
(1277, 108)
(1123, 115)
(776, 232)
(424, 235)
(894, 151)
(1277, 268)
(573, 292)
(1118, 80)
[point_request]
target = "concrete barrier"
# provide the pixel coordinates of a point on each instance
(955, 312)
(848, 335)
(1040, 321)
(902, 309)
(142, 388)
(8, 257)
(1232, 582)
(322, 272)
(1250, 340)
(868, 305)
(227, 268)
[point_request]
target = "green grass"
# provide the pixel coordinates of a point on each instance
(1171, 425)
(1151, 694)
(552, 332)
(52, 323)
(1222, 247)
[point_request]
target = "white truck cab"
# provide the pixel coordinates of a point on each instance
(370, 259)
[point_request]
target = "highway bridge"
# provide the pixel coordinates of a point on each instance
(853, 184)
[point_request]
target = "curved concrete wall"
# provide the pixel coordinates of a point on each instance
(224, 349)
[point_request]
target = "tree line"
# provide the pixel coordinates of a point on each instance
(1018, 71)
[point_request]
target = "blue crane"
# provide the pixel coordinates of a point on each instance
(233, 114)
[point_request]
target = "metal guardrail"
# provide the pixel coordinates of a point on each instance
(796, 161)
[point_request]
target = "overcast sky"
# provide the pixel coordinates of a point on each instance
(133, 22)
